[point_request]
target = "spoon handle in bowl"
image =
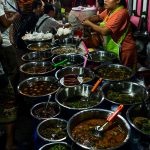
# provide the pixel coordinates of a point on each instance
(49, 97)
(96, 84)
(115, 113)
(110, 118)
(60, 63)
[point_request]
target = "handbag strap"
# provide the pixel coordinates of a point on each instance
(37, 27)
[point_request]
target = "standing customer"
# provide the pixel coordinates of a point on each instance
(27, 23)
(8, 111)
(8, 82)
(48, 23)
(116, 23)
(8, 55)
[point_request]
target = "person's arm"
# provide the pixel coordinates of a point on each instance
(94, 18)
(7, 21)
(0, 38)
(97, 28)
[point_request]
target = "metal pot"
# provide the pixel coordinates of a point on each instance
(76, 99)
(86, 73)
(37, 68)
(37, 111)
(137, 119)
(101, 57)
(127, 93)
(39, 46)
(114, 72)
(66, 49)
(52, 130)
(37, 56)
(60, 144)
(85, 115)
(72, 60)
(28, 83)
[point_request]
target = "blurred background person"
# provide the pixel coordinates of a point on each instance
(47, 22)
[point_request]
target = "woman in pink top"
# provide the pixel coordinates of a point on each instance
(117, 22)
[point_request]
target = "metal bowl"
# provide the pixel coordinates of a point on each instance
(101, 57)
(76, 98)
(37, 68)
(72, 60)
(127, 93)
(39, 46)
(135, 117)
(26, 86)
(63, 145)
(114, 72)
(37, 56)
(53, 126)
(38, 110)
(85, 73)
(66, 49)
(85, 115)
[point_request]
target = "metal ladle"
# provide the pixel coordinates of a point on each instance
(110, 118)
(47, 103)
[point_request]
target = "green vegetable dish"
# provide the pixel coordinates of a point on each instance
(124, 98)
(113, 73)
(57, 146)
(143, 123)
(78, 101)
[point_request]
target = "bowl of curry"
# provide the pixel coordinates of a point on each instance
(37, 68)
(139, 119)
(114, 72)
(66, 49)
(38, 86)
(81, 128)
(37, 56)
(39, 46)
(52, 130)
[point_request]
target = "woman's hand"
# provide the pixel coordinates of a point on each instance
(87, 22)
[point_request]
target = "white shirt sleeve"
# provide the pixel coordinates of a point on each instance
(1, 9)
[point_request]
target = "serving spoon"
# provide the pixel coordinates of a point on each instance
(94, 87)
(47, 103)
(60, 63)
(110, 118)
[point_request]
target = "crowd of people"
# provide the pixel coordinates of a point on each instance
(114, 23)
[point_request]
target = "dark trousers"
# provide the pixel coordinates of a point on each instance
(8, 58)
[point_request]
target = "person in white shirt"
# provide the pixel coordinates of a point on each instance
(8, 53)
(47, 23)
(8, 58)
